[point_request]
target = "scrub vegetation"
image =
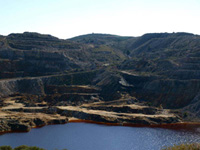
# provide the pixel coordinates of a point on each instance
(22, 147)
(193, 146)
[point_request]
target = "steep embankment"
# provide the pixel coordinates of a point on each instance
(38, 85)
(159, 90)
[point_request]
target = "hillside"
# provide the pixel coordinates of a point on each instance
(100, 39)
(34, 54)
(169, 63)
(161, 66)
(157, 73)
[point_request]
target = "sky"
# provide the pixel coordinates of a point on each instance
(70, 18)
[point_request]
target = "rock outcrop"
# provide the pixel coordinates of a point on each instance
(23, 122)
(15, 116)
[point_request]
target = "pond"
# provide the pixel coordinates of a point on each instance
(85, 136)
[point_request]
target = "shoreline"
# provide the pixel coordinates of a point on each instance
(173, 126)
(34, 127)
(180, 125)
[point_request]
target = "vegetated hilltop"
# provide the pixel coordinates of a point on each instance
(158, 69)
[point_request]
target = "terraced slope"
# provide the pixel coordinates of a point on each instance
(34, 54)
(158, 69)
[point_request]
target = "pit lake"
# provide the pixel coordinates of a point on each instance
(85, 136)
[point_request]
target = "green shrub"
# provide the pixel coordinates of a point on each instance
(5, 148)
(22, 147)
(194, 146)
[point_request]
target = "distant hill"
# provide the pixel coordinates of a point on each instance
(33, 41)
(175, 55)
(99, 39)
(34, 54)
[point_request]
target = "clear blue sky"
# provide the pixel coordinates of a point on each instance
(68, 18)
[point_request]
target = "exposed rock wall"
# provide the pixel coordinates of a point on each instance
(168, 92)
(37, 85)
